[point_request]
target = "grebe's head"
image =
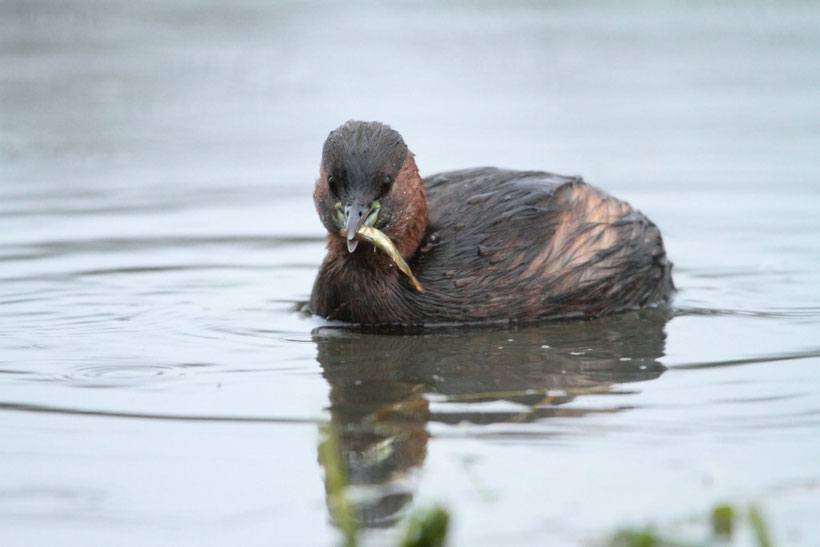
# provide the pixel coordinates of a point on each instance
(360, 163)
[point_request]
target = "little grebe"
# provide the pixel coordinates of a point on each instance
(485, 244)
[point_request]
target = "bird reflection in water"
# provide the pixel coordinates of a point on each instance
(381, 385)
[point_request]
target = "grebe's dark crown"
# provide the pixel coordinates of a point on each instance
(362, 159)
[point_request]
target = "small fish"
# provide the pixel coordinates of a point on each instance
(378, 239)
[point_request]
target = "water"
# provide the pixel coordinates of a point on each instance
(157, 235)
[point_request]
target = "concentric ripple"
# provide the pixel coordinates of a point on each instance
(120, 375)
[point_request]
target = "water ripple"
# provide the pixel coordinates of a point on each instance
(774, 313)
(106, 376)
(50, 249)
(807, 354)
(31, 501)
(46, 409)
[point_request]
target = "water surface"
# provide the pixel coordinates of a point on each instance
(157, 236)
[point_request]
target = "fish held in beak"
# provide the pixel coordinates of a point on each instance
(382, 242)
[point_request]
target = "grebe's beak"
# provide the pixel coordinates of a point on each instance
(355, 215)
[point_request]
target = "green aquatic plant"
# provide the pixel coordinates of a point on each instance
(423, 527)
(724, 518)
(336, 484)
(643, 538)
(426, 527)
(761, 532)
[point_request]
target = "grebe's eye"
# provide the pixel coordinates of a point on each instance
(331, 184)
(387, 184)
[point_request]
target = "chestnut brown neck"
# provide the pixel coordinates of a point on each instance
(410, 203)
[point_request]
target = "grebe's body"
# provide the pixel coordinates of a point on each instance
(486, 244)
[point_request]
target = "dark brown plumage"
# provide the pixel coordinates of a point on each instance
(487, 244)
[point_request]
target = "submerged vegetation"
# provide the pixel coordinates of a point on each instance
(427, 526)
(335, 484)
(423, 527)
(725, 522)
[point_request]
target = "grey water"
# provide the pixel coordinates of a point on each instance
(159, 385)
